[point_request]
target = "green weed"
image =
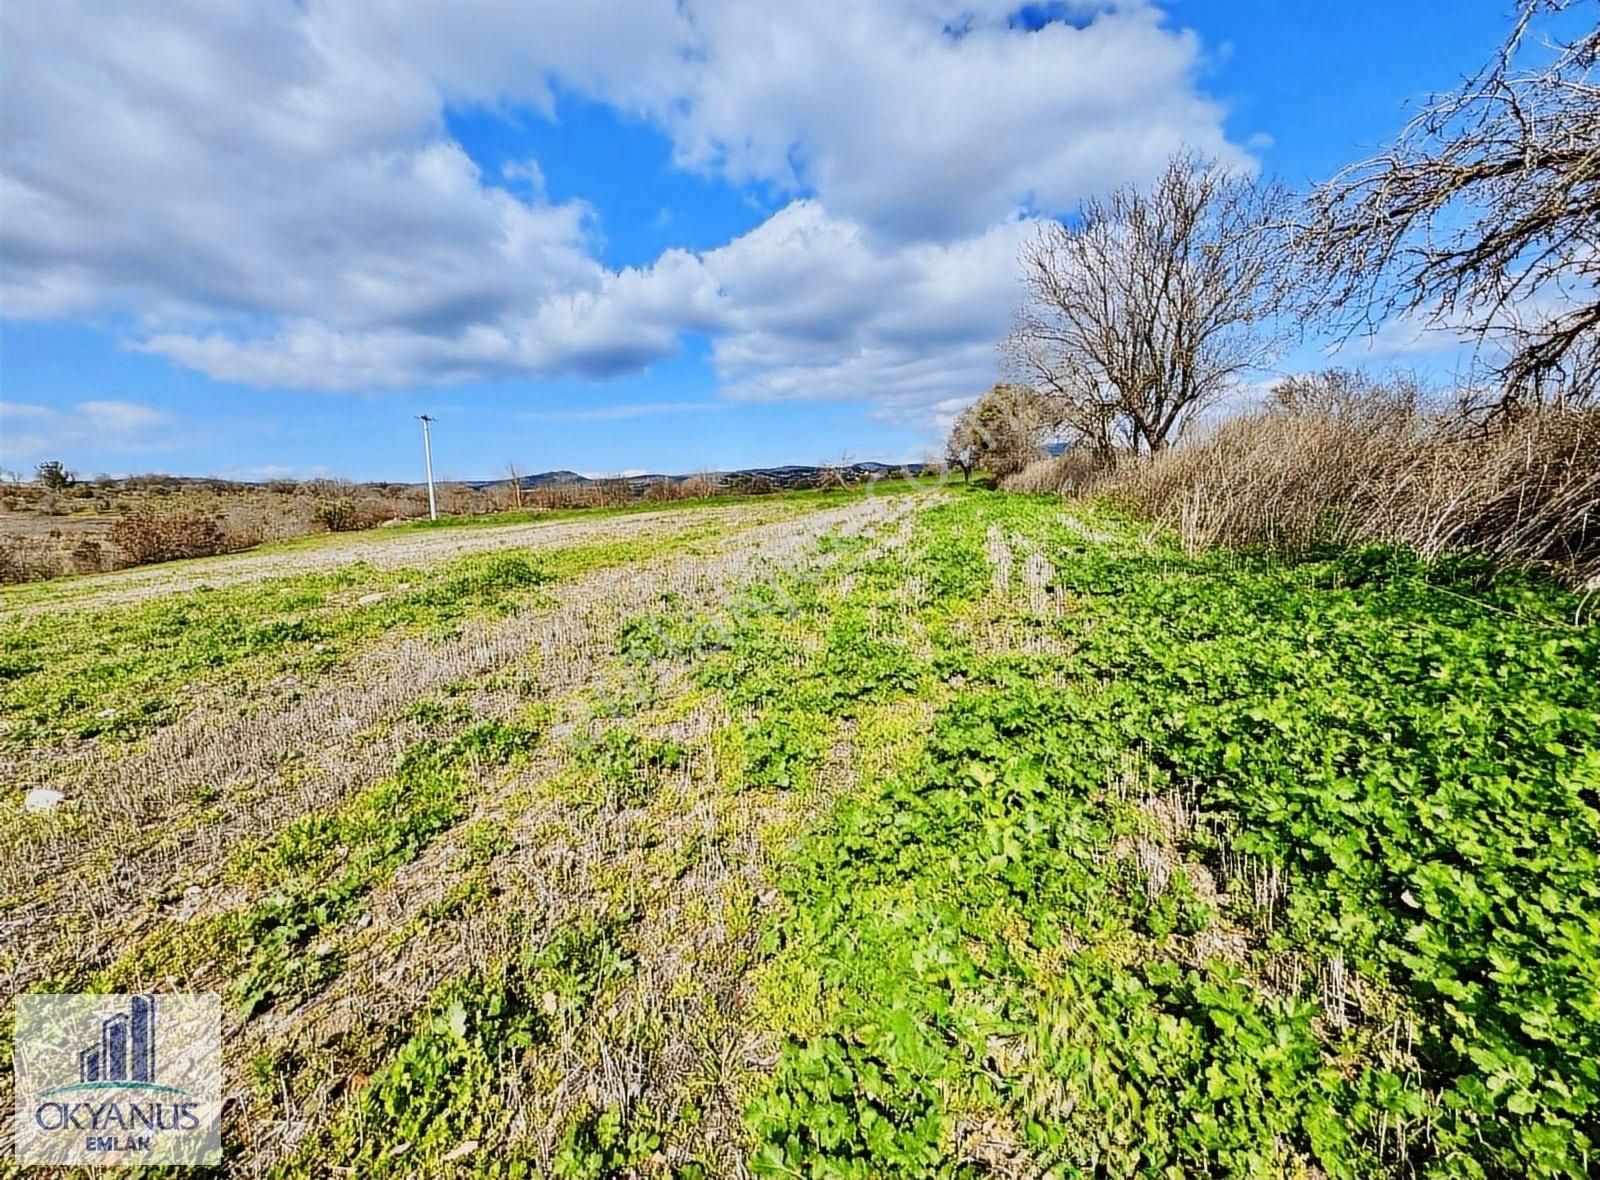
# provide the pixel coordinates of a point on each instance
(1417, 754)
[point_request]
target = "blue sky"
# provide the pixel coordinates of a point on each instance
(629, 235)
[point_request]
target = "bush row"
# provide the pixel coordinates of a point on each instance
(1339, 459)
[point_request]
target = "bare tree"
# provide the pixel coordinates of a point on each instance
(1484, 215)
(834, 473)
(1148, 306)
(1002, 432)
(515, 478)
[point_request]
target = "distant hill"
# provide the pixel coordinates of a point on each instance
(789, 476)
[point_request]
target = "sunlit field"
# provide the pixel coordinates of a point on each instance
(904, 832)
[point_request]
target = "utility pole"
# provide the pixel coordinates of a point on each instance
(427, 458)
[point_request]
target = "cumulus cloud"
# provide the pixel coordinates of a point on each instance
(271, 194)
(185, 161)
(924, 120)
(618, 324)
(815, 308)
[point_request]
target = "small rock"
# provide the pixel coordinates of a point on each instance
(465, 1147)
(42, 799)
(103, 714)
(369, 599)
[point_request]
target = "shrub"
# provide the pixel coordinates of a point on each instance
(661, 491)
(345, 515)
(752, 485)
(1002, 432)
(146, 536)
(246, 535)
(1073, 471)
(27, 559)
(11, 564)
(53, 474)
(1342, 461)
(87, 557)
(667, 490)
(697, 487)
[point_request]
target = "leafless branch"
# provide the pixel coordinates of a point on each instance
(1483, 216)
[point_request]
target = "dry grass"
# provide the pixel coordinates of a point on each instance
(1359, 462)
(48, 533)
(689, 860)
(267, 761)
(109, 524)
(1069, 472)
(386, 549)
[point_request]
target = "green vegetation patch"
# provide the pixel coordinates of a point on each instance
(318, 871)
(451, 1086)
(1016, 962)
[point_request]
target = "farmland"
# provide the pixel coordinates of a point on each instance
(920, 832)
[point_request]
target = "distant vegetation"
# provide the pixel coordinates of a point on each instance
(1342, 458)
(60, 524)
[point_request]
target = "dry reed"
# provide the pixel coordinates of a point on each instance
(1363, 463)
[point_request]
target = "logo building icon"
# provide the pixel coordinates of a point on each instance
(127, 1048)
(118, 1080)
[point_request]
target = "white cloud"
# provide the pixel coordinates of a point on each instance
(917, 133)
(271, 192)
(619, 323)
(266, 472)
(804, 306)
(816, 308)
(525, 172)
(29, 433)
(246, 166)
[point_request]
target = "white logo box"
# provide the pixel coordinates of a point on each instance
(118, 1080)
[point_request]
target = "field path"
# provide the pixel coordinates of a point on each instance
(379, 548)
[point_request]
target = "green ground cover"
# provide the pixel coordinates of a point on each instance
(119, 671)
(1414, 751)
(1103, 860)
